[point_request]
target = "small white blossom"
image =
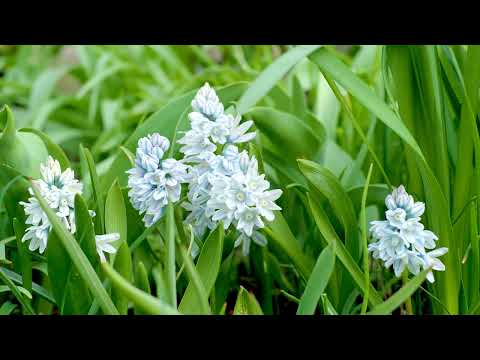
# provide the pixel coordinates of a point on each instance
(210, 127)
(207, 103)
(401, 239)
(154, 181)
(103, 244)
(58, 189)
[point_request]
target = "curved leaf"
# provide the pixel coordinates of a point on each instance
(208, 266)
(271, 75)
(318, 281)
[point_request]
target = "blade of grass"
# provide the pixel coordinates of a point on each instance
(146, 302)
(27, 308)
(363, 220)
(271, 75)
(318, 281)
(195, 280)
(400, 296)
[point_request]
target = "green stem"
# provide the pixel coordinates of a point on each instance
(408, 302)
(170, 260)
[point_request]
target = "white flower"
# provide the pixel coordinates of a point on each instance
(401, 240)
(249, 218)
(430, 260)
(58, 189)
(232, 131)
(224, 186)
(207, 103)
(103, 244)
(154, 181)
(399, 198)
(210, 126)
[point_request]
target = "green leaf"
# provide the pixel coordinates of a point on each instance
(69, 289)
(318, 281)
(376, 195)
(334, 68)
(327, 184)
(95, 185)
(80, 261)
(280, 233)
(327, 306)
(197, 285)
(36, 289)
(7, 308)
(290, 136)
(53, 149)
(299, 104)
(342, 253)
(23, 254)
(141, 281)
(363, 221)
(116, 222)
(146, 302)
(400, 296)
(27, 308)
(246, 304)
(23, 151)
(271, 75)
(170, 270)
(208, 266)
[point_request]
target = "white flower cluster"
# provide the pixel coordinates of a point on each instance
(58, 189)
(224, 183)
(154, 181)
(402, 239)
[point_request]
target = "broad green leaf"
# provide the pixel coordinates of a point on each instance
(341, 251)
(53, 149)
(271, 75)
(149, 304)
(7, 308)
(327, 184)
(197, 284)
(23, 254)
(36, 289)
(27, 308)
(208, 266)
(400, 296)
(318, 281)
(14, 188)
(23, 151)
(290, 136)
(69, 289)
(246, 304)
(116, 222)
(332, 66)
(141, 281)
(299, 105)
(282, 236)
